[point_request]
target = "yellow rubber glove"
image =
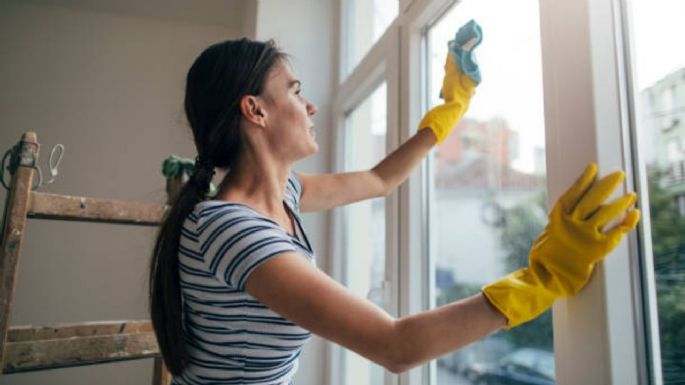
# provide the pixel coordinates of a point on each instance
(457, 90)
(564, 255)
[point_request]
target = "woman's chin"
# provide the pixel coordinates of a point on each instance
(311, 149)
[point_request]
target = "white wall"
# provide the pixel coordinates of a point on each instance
(306, 30)
(109, 86)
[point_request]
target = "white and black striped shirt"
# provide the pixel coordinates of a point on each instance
(231, 337)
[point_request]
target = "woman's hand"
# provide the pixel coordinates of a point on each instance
(457, 90)
(564, 255)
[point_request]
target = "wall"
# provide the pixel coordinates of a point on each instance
(108, 84)
(305, 30)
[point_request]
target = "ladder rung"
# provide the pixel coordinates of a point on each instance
(85, 329)
(30, 349)
(54, 206)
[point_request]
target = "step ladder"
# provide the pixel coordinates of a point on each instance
(28, 348)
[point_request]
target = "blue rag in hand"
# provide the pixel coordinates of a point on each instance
(465, 41)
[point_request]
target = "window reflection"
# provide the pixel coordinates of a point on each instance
(488, 195)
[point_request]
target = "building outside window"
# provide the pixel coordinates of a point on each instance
(659, 74)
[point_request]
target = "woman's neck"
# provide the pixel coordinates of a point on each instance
(257, 186)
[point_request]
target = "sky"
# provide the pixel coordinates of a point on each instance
(655, 26)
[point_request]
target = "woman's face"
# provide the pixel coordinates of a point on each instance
(288, 115)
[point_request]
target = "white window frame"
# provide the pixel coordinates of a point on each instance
(608, 334)
(378, 66)
(602, 335)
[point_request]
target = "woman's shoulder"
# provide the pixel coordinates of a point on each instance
(210, 211)
(230, 219)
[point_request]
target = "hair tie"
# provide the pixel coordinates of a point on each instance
(204, 164)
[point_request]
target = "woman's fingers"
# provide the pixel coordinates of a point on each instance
(607, 213)
(627, 225)
(631, 219)
(571, 197)
(597, 194)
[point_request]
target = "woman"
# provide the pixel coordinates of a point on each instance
(234, 291)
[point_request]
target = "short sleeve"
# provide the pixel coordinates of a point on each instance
(236, 243)
(293, 191)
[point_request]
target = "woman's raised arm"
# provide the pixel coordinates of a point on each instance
(327, 191)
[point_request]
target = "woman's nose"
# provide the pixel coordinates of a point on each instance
(311, 108)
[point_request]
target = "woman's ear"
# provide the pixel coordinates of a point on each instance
(252, 109)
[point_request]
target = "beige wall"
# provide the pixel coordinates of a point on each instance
(109, 86)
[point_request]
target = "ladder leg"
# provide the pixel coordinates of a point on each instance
(13, 233)
(161, 376)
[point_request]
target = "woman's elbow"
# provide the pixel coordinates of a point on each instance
(398, 355)
(401, 365)
(397, 368)
(404, 360)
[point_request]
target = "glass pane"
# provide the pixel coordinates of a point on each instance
(661, 124)
(366, 23)
(488, 196)
(365, 129)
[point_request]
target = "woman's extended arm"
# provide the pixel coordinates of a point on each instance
(560, 264)
(291, 286)
(327, 191)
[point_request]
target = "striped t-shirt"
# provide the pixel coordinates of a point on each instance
(231, 337)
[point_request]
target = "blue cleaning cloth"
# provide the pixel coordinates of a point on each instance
(465, 41)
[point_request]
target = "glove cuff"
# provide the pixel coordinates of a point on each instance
(443, 118)
(519, 296)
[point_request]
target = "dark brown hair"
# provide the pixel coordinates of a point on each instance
(217, 80)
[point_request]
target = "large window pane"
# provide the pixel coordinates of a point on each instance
(364, 264)
(365, 23)
(488, 194)
(660, 71)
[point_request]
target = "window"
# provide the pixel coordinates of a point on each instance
(364, 250)
(660, 71)
(365, 113)
(673, 152)
(669, 99)
(488, 200)
(364, 23)
(610, 333)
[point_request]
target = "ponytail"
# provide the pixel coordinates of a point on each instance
(165, 289)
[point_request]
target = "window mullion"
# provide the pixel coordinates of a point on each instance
(595, 332)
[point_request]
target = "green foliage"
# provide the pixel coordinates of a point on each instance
(535, 334)
(668, 244)
(522, 225)
(456, 292)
